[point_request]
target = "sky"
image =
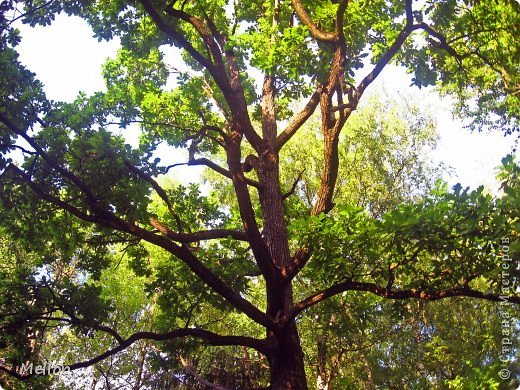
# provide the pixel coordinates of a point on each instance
(67, 59)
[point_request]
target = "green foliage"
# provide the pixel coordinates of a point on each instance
(79, 205)
(484, 73)
(382, 155)
(440, 241)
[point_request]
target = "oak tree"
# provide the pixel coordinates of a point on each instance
(72, 189)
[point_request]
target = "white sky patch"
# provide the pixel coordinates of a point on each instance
(472, 156)
(67, 59)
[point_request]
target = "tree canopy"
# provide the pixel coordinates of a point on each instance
(323, 214)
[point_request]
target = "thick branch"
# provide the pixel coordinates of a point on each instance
(396, 294)
(297, 121)
(107, 219)
(182, 41)
(247, 214)
(196, 266)
(332, 125)
(441, 42)
(314, 30)
(210, 337)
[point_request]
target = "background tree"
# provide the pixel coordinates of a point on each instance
(74, 179)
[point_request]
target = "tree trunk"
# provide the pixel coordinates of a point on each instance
(286, 363)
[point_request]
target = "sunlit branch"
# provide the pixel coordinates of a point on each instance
(314, 30)
(297, 121)
(169, 31)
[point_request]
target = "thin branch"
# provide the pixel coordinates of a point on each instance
(146, 177)
(293, 188)
(197, 236)
(54, 164)
(50, 198)
(76, 320)
(19, 148)
(158, 189)
(216, 168)
(191, 371)
(31, 11)
(226, 74)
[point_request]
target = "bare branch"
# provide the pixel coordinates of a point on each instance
(293, 188)
(22, 149)
(384, 292)
(210, 337)
(297, 121)
(216, 168)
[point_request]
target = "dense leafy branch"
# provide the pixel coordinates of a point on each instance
(109, 220)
